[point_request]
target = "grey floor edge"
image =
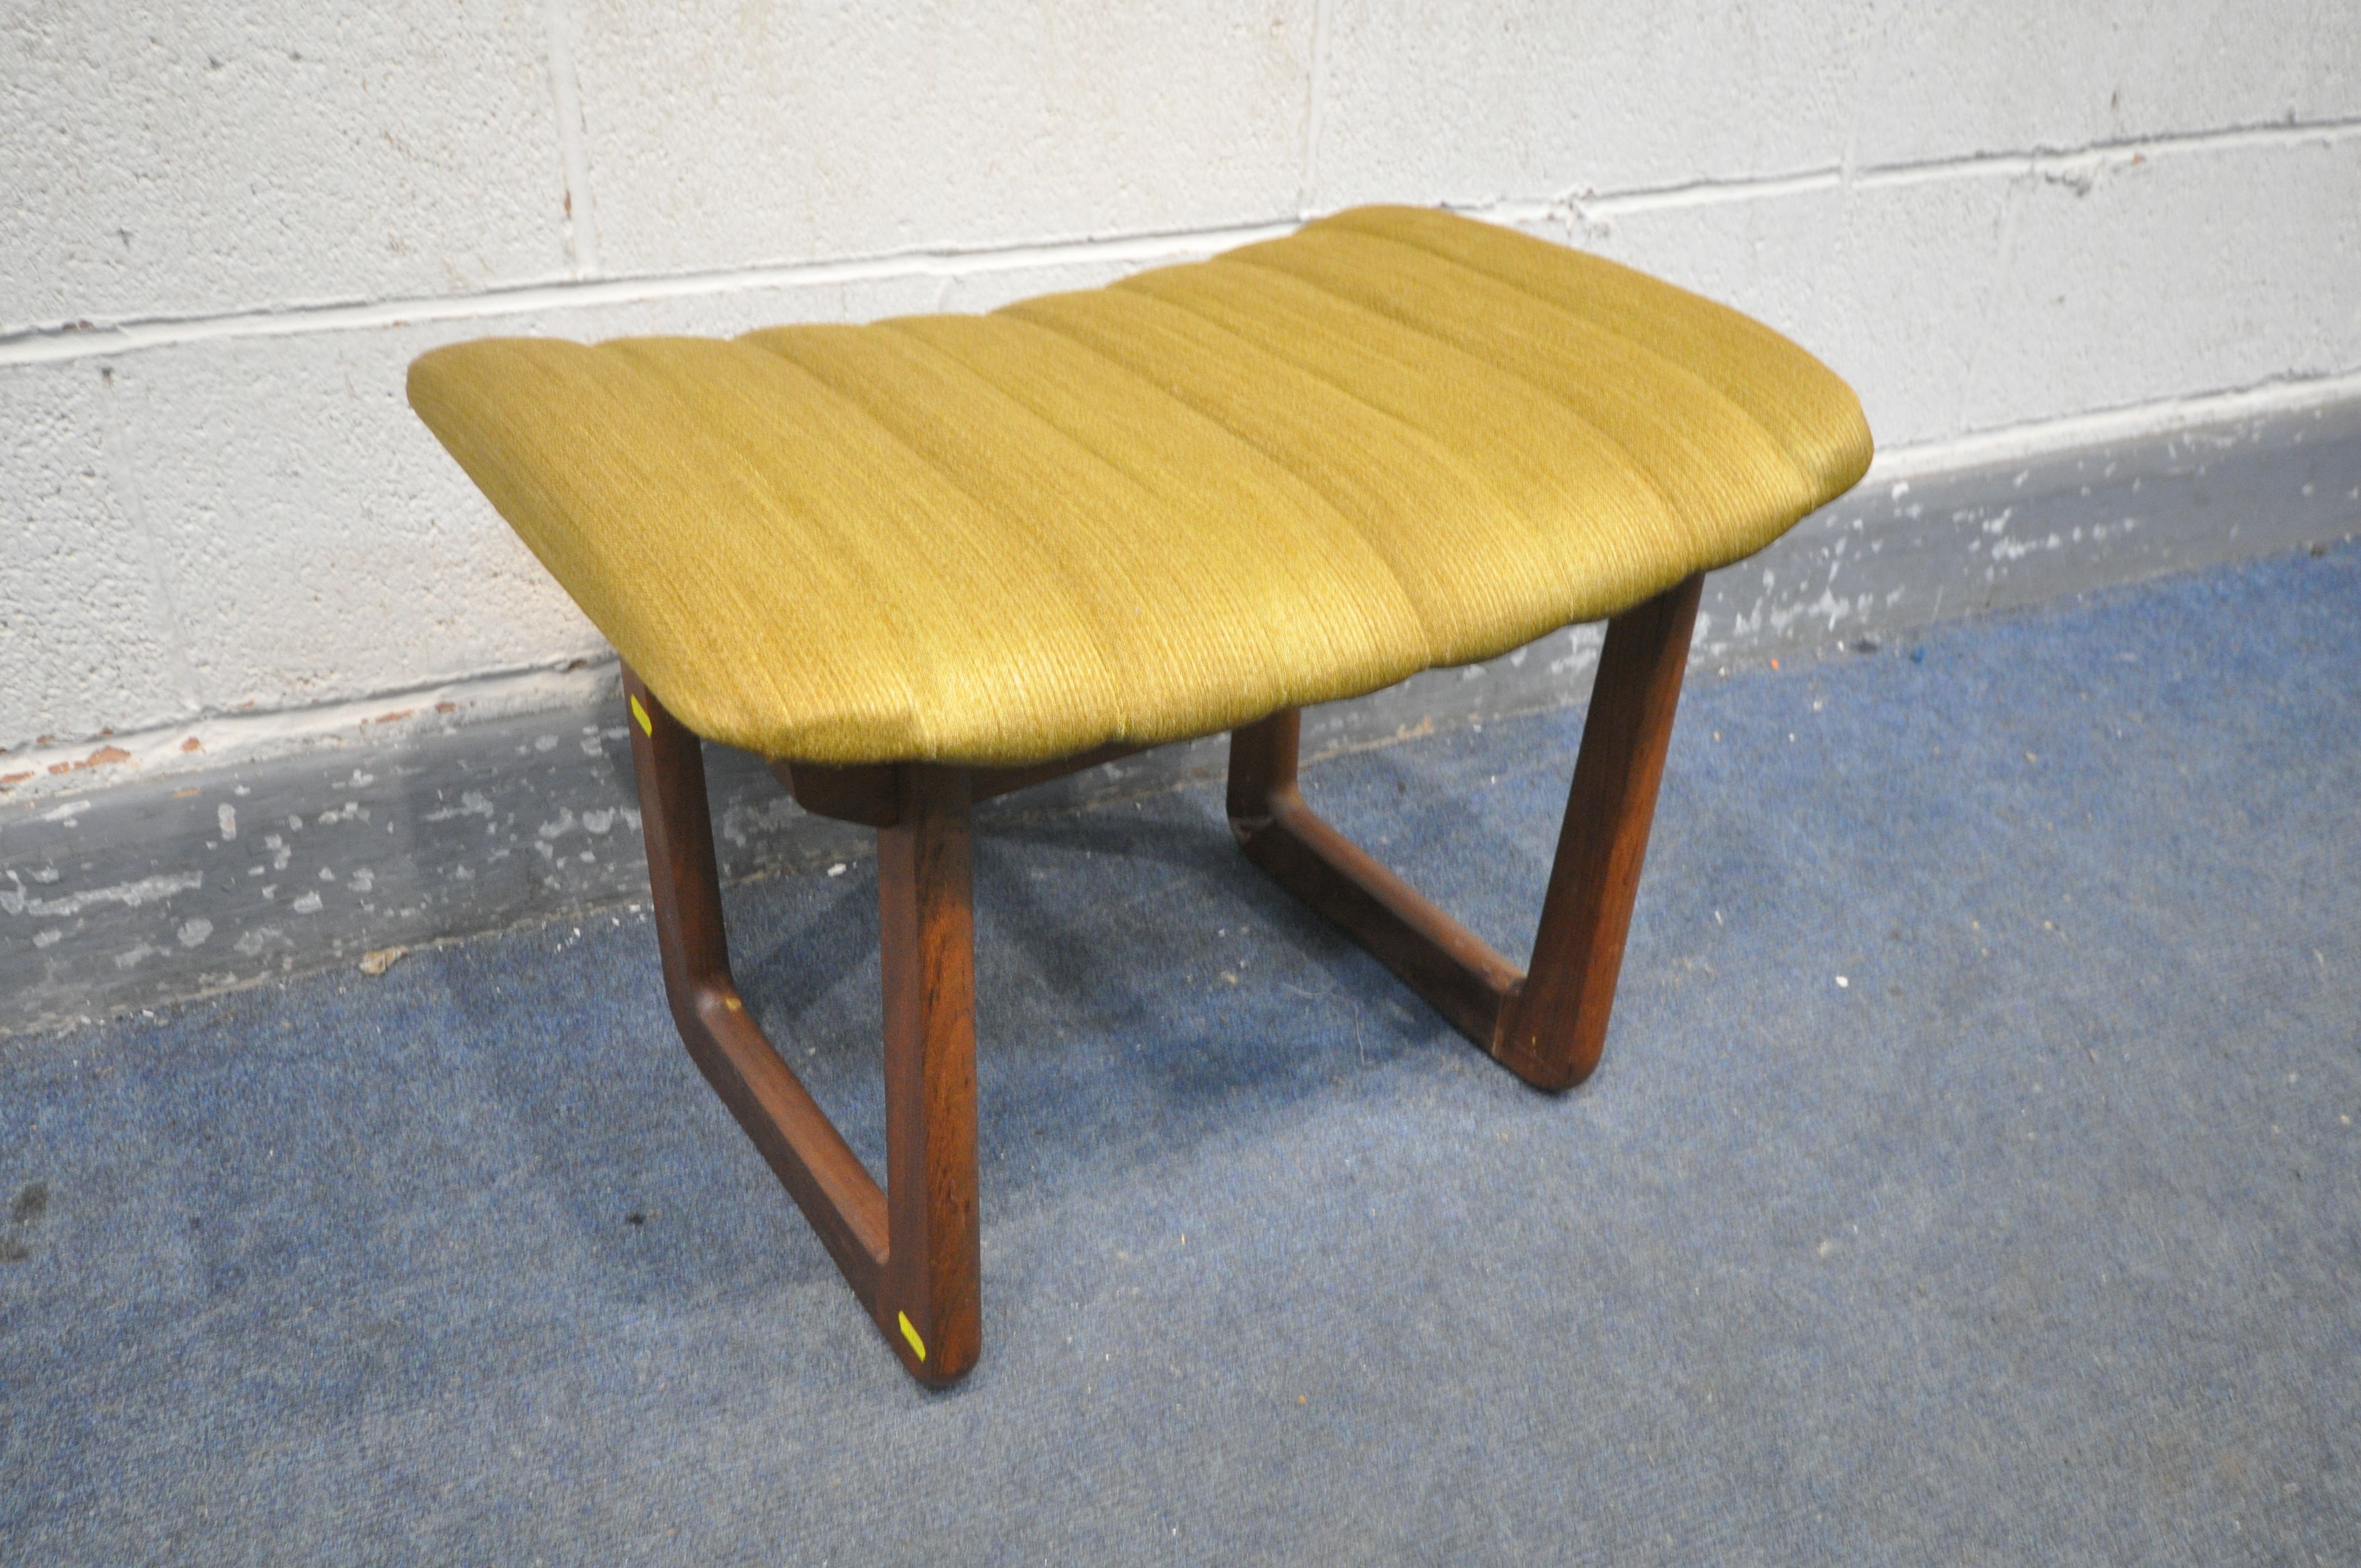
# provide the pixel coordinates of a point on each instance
(147, 892)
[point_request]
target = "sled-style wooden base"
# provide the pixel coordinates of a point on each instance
(910, 1250)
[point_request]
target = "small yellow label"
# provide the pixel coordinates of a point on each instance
(647, 726)
(912, 1335)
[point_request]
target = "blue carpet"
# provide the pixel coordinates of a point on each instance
(1972, 1178)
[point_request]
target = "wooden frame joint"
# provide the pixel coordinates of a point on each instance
(1548, 1027)
(910, 1248)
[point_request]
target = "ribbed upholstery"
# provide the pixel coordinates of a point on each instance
(1300, 471)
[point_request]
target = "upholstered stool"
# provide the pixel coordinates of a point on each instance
(931, 560)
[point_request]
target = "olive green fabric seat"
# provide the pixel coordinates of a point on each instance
(1298, 472)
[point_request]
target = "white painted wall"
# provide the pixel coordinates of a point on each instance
(227, 230)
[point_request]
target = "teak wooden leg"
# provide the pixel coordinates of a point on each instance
(910, 1250)
(1547, 1027)
(926, 937)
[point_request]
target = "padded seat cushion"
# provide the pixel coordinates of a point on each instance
(1300, 471)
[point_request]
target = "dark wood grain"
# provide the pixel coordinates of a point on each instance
(1445, 962)
(912, 1250)
(868, 795)
(1558, 1026)
(928, 958)
(1550, 1027)
(825, 1179)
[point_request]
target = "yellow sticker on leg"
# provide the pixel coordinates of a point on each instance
(647, 725)
(912, 1335)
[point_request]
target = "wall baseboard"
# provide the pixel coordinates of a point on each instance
(160, 888)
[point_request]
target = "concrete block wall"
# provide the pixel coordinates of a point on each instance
(229, 228)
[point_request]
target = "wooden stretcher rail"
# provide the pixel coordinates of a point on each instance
(910, 1249)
